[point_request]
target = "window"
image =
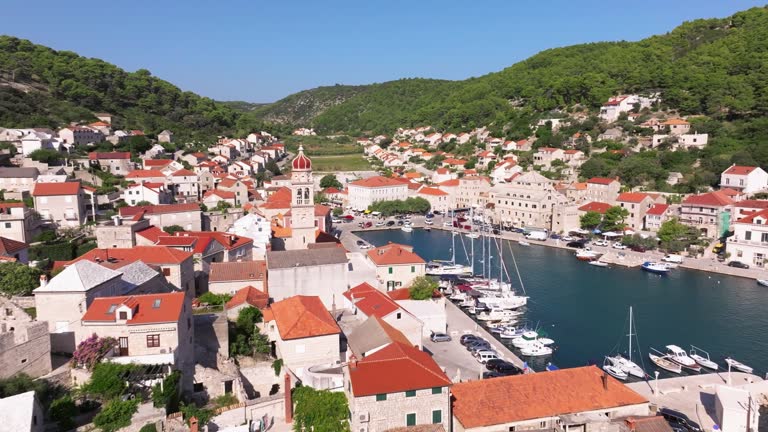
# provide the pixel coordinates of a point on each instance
(410, 393)
(381, 397)
(153, 341)
(437, 390)
(7, 224)
(437, 416)
(123, 315)
(399, 315)
(413, 269)
(390, 270)
(197, 387)
(410, 419)
(543, 424)
(511, 429)
(166, 272)
(748, 235)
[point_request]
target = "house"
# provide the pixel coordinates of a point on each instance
(745, 208)
(565, 399)
(612, 134)
(22, 412)
(245, 297)
(17, 222)
(165, 136)
(744, 178)
(230, 277)
(527, 201)
(256, 227)
(147, 192)
(25, 345)
(304, 332)
(149, 175)
(696, 140)
(443, 174)
(188, 216)
(707, 212)
(363, 193)
(544, 156)
(677, 126)
(150, 329)
(616, 105)
(471, 192)
(504, 171)
(431, 312)
(116, 163)
(60, 203)
(13, 179)
(655, 216)
(209, 247)
(212, 198)
(13, 250)
(594, 206)
(366, 301)
(749, 242)
(185, 184)
(396, 265)
(438, 199)
(637, 204)
(78, 135)
(396, 386)
(158, 164)
(602, 189)
(321, 272)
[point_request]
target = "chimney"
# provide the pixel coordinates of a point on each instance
(288, 400)
(604, 378)
(43, 280)
(352, 362)
(118, 220)
(193, 424)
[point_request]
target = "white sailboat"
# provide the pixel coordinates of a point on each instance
(626, 363)
(444, 268)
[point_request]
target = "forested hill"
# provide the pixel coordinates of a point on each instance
(43, 87)
(714, 66)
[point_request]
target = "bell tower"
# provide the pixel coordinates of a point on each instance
(302, 202)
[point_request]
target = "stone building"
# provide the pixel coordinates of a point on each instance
(528, 201)
(188, 216)
(22, 412)
(60, 203)
(366, 301)
(396, 265)
(229, 277)
(25, 345)
(312, 272)
(116, 163)
(119, 233)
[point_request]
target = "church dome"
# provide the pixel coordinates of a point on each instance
(301, 162)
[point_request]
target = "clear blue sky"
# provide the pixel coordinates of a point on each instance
(261, 51)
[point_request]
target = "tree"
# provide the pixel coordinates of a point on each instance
(222, 205)
(338, 211)
(116, 414)
(173, 229)
(422, 288)
(201, 414)
(17, 279)
(168, 394)
(143, 203)
(330, 180)
(614, 218)
(108, 380)
(320, 198)
(590, 220)
(48, 156)
(320, 410)
(272, 167)
(248, 317)
(675, 236)
(63, 410)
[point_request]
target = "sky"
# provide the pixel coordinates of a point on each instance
(259, 51)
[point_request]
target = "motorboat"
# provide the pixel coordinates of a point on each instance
(530, 337)
(459, 296)
(739, 366)
(498, 315)
(523, 243)
(406, 228)
(598, 263)
(473, 235)
(511, 332)
(587, 254)
(763, 282)
(702, 358)
(504, 300)
(441, 268)
(664, 363)
(627, 366)
(679, 356)
(536, 349)
(656, 268)
(613, 370)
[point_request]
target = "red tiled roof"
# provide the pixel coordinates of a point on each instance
(51, 189)
(633, 197)
(109, 155)
(394, 254)
(145, 174)
(395, 368)
(405, 294)
(249, 295)
(601, 180)
(595, 206)
(371, 301)
(11, 205)
(303, 316)
(449, 183)
(220, 193)
(657, 209)
(675, 121)
(510, 399)
(157, 163)
(432, 191)
(151, 233)
(377, 181)
(169, 309)
(750, 218)
(183, 172)
(159, 209)
(118, 257)
(238, 271)
(755, 204)
(740, 170)
(717, 199)
(10, 246)
(229, 241)
(173, 241)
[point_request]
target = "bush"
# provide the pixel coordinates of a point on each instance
(108, 380)
(91, 350)
(167, 396)
(247, 319)
(320, 410)
(422, 288)
(225, 400)
(173, 229)
(149, 427)
(214, 299)
(63, 410)
(45, 236)
(203, 415)
(116, 414)
(18, 279)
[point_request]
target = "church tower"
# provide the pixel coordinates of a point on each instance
(302, 202)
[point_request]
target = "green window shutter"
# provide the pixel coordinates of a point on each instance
(437, 390)
(381, 397)
(410, 393)
(437, 416)
(413, 269)
(390, 270)
(410, 419)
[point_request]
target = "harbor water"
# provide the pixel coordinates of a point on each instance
(585, 308)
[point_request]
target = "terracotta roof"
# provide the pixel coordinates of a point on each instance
(601, 180)
(10, 246)
(52, 189)
(157, 163)
(109, 155)
(169, 308)
(510, 399)
(657, 209)
(145, 174)
(371, 301)
(595, 206)
(238, 271)
(303, 316)
(249, 295)
(730, 192)
(412, 175)
(220, 193)
(377, 181)
(739, 170)
(183, 172)
(449, 183)
(169, 240)
(756, 204)
(151, 233)
(633, 197)
(229, 241)
(405, 294)
(432, 191)
(118, 257)
(675, 121)
(11, 205)
(394, 254)
(159, 209)
(396, 368)
(717, 199)
(648, 424)
(750, 219)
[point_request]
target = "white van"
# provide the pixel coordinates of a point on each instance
(484, 356)
(536, 235)
(672, 258)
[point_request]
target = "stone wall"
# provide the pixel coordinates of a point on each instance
(25, 347)
(23, 302)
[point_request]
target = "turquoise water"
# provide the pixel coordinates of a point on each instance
(585, 308)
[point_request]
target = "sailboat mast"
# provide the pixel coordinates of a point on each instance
(630, 333)
(473, 256)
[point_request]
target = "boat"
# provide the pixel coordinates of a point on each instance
(739, 366)
(656, 268)
(529, 338)
(587, 254)
(763, 282)
(443, 268)
(536, 349)
(702, 358)
(551, 367)
(679, 356)
(523, 243)
(511, 332)
(498, 315)
(598, 263)
(406, 228)
(427, 228)
(503, 300)
(613, 370)
(626, 363)
(473, 235)
(665, 363)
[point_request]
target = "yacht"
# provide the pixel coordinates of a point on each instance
(530, 337)
(441, 268)
(679, 356)
(625, 363)
(505, 300)
(512, 332)
(498, 315)
(598, 263)
(654, 267)
(536, 349)
(587, 254)
(702, 358)
(406, 228)
(614, 370)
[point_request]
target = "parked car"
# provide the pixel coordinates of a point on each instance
(400, 223)
(496, 231)
(428, 222)
(618, 245)
(555, 237)
(360, 243)
(502, 366)
(447, 224)
(601, 243)
(738, 264)
(440, 337)
(390, 223)
(492, 374)
(368, 224)
(576, 244)
(467, 338)
(430, 216)
(568, 238)
(678, 419)
(336, 220)
(484, 356)
(638, 248)
(478, 346)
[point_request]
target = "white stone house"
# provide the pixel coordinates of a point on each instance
(153, 193)
(363, 193)
(366, 301)
(749, 243)
(744, 178)
(396, 265)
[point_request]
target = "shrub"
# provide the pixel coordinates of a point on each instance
(167, 395)
(108, 380)
(62, 411)
(149, 427)
(214, 299)
(116, 414)
(203, 415)
(225, 400)
(91, 350)
(422, 288)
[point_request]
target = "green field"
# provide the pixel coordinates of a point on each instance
(353, 162)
